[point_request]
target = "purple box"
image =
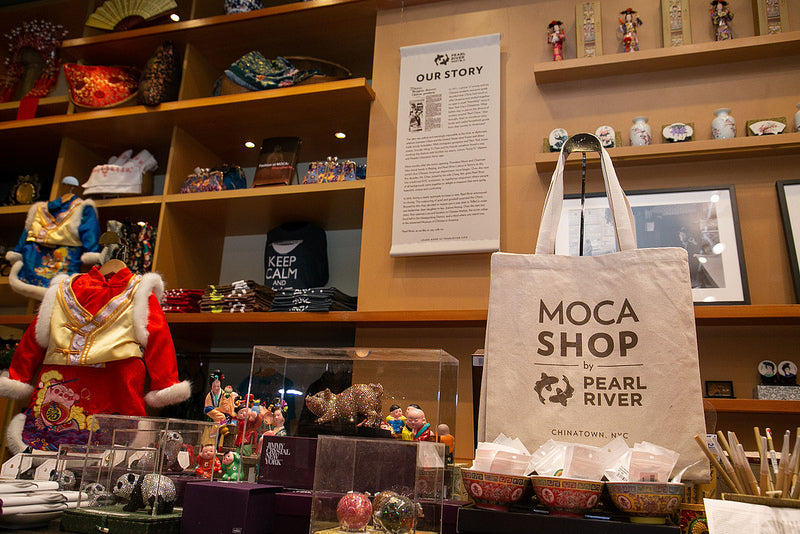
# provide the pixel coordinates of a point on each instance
(222, 507)
(292, 512)
(288, 461)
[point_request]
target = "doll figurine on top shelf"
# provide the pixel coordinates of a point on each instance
(720, 17)
(417, 427)
(627, 26)
(207, 462)
(555, 36)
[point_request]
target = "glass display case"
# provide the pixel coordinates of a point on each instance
(349, 391)
(367, 484)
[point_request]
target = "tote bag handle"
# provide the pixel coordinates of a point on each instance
(620, 208)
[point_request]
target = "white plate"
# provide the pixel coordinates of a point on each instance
(31, 520)
(767, 127)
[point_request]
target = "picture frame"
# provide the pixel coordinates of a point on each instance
(719, 389)
(704, 220)
(676, 25)
(789, 200)
(770, 16)
(588, 30)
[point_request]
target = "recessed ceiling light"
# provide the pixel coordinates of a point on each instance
(175, 17)
(249, 144)
(340, 135)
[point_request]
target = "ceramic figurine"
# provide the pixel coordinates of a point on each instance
(207, 462)
(557, 138)
(723, 126)
(677, 132)
(640, 133)
(248, 421)
(354, 511)
(607, 136)
(417, 427)
(232, 466)
(396, 420)
(364, 399)
(220, 404)
(720, 17)
(797, 119)
(555, 36)
(443, 435)
(627, 26)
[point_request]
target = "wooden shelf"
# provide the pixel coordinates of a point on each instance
(746, 406)
(285, 30)
(709, 149)
(335, 206)
(694, 55)
(312, 112)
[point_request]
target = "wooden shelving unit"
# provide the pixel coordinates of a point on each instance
(693, 55)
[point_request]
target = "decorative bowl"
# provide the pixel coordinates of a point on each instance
(646, 502)
(567, 496)
(493, 491)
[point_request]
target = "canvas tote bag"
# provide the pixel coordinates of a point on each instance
(584, 349)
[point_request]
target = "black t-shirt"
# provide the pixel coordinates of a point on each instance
(296, 256)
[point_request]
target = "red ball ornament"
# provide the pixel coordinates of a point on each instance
(354, 511)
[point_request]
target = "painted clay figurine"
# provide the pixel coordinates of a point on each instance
(555, 36)
(220, 404)
(207, 462)
(396, 420)
(275, 413)
(443, 435)
(232, 466)
(627, 26)
(720, 17)
(417, 427)
(248, 420)
(364, 399)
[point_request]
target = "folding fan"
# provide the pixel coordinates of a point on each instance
(122, 15)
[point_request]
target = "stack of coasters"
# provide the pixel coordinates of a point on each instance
(237, 297)
(182, 300)
(315, 299)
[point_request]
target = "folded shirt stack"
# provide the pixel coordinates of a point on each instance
(237, 297)
(182, 300)
(315, 299)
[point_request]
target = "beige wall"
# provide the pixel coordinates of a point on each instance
(753, 89)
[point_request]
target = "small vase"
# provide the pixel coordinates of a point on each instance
(797, 120)
(723, 126)
(640, 132)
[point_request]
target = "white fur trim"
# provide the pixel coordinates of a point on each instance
(172, 395)
(90, 258)
(14, 389)
(31, 213)
(150, 283)
(13, 257)
(46, 312)
(23, 288)
(14, 434)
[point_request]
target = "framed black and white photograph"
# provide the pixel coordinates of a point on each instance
(703, 220)
(719, 389)
(789, 197)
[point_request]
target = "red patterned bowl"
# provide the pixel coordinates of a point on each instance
(646, 502)
(567, 496)
(493, 491)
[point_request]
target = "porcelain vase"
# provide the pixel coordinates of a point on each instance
(723, 126)
(640, 132)
(797, 119)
